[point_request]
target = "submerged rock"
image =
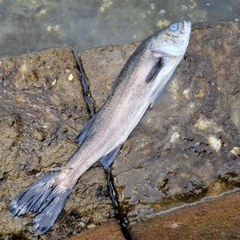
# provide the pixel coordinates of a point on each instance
(41, 112)
(178, 152)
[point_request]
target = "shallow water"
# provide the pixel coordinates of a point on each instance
(30, 25)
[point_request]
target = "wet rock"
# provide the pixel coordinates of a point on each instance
(184, 149)
(110, 231)
(230, 173)
(177, 150)
(215, 219)
(41, 112)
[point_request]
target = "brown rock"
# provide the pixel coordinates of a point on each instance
(109, 231)
(215, 219)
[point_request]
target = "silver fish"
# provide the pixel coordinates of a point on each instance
(136, 88)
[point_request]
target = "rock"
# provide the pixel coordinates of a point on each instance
(41, 112)
(214, 219)
(184, 149)
(176, 151)
(109, 231)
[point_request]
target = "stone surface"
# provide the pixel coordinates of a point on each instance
(109, 231)
(181, 150)
(185, 148)
(41, 112)
(216, 219)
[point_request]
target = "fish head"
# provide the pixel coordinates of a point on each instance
(172, 40)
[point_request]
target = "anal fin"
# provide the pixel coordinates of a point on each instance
(107, 160)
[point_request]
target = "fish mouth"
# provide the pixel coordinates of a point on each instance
(186, 26)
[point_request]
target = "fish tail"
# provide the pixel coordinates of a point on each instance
(45, 197)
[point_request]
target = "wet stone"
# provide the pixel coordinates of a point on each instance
(215, 218)
(109, 231)
(186, 147)
(41, 112)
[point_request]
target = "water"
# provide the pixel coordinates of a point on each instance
(31, 25)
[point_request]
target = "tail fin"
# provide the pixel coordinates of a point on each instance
(43, 197)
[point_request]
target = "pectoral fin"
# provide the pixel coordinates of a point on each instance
(155, 70)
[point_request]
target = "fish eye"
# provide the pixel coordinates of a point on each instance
(173, 27)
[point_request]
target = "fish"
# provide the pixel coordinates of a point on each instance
(136, 88)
